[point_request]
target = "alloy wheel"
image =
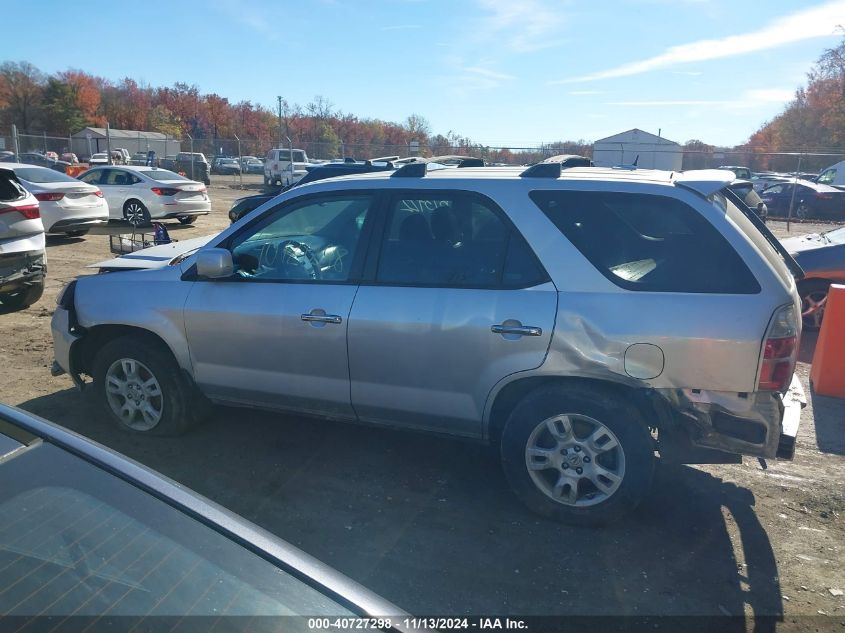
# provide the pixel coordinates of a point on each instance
(575, 460)
(134, 394)
(134, 213)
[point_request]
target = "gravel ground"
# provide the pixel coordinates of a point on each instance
(431, 525)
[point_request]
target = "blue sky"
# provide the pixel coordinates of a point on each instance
(502, 72)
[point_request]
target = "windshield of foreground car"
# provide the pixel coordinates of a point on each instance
(76, 540)
(42, 174)
(837, 236)
(163, 175)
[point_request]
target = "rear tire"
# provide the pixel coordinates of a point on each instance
(186, 220)
(22, 299)
(136, 213)
(77, 233)
(141, 387)
(578, 455)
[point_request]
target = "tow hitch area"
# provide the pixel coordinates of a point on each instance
(793, 401)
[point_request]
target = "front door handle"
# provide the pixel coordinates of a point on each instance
(321, 318)
(519, 330)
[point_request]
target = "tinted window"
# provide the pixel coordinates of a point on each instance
(77, 540)
(313, 240)
(646, 242)
(42, 174)
(163, 175)
(119, 177)
(452, 240)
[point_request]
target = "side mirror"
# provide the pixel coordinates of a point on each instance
(214, 263)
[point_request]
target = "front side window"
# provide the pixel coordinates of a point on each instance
(314, 240)
(647, 242)
(452, 239)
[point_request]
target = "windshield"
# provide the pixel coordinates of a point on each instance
(836, 237)
(163, 175)
(75, 540)
(42, 175)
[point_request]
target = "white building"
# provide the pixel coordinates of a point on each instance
(654, 152)
(132, 140)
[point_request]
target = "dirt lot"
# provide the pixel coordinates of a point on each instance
(431, 525)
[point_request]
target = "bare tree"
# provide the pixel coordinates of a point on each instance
(21, 90)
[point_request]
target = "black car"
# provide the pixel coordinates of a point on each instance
(810, 200)
(87, 532)
(242, 206)
(34, 158)
(225, 166)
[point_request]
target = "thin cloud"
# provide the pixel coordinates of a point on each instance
(749, 99)
(578, 93)
(819, 21)
(522, 26)
(688, 73)
(401, 27)
(487, 73)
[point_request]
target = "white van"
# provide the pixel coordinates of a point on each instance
(833, 175)
(280, 171)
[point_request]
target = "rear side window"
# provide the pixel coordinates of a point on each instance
(647, 243)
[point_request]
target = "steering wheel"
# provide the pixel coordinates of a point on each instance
(291, 251)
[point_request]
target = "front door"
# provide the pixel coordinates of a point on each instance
(455, 302)
(275, 333)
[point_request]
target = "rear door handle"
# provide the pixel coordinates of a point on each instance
(520, 330)
(321, 318)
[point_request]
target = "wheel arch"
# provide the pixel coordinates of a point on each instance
(507, 396)
(85, 349)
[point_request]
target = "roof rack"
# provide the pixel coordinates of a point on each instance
(543, 170)
(411, 170)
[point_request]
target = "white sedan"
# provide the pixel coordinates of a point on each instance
(141, 194)
(67, 205)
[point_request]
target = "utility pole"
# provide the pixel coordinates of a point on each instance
(280, 120)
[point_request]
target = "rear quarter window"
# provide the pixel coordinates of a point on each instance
(648, 243)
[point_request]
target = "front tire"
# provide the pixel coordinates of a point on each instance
(79, 233)
(186, 220)
(577, 455)
(142, 388)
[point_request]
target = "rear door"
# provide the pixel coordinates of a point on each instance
(455, 301)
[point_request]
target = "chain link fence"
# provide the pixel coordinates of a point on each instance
(138, 144)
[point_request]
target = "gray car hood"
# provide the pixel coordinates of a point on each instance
(155, 256)
(801, 243)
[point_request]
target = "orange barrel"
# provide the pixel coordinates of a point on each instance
(827, 375)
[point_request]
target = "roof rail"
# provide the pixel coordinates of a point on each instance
(543, 170)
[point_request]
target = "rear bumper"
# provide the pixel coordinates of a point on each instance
(21, 269)
(794, 401)
(761, 424)
(76, 224)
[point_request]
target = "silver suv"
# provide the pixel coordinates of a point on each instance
(581, 320)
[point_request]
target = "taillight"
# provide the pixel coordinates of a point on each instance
(29, 211)
(52, 196)
(98, 193)
(165, 191)
(780, 351)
